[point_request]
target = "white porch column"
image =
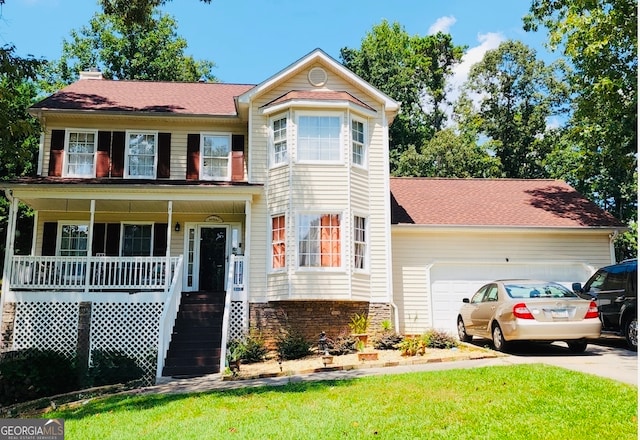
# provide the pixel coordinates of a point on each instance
(87, 275)
(10, 246)
(247, 262)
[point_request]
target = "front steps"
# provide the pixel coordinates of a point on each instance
(194, 349)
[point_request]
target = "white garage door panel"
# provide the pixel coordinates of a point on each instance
(450, 283)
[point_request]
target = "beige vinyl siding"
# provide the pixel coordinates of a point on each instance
(178, 128)
(414, 250)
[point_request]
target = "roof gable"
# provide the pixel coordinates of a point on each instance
(315, 57)
(211, 99)
(493, 202)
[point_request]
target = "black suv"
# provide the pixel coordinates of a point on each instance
(615, 290)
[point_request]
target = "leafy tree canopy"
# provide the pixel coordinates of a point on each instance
(411, 70)
(516, 95)
(133, 11)
(136, 51)
(600, 40)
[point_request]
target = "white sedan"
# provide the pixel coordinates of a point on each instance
(528, 310)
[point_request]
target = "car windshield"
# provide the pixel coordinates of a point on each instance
(538, 290)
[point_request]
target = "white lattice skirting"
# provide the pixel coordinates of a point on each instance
(131, 328)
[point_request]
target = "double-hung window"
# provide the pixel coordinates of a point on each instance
(81, 153)
(141, 158)
(358, 147)
(215, 156)
(278, 242)
(137, 240)
(319, 240)
(319, 138)
(280, 152)
(73, 240)
(359, 242)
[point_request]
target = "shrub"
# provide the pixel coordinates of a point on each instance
(251, 348)
(388, 340)
(113, 366)
(439, 339)
(33, 373)
(359, 323)
(343, 344)
(292, 345)
(412, 346)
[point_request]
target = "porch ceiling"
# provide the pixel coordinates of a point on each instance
(138, 206)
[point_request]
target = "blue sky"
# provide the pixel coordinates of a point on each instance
(250, 40)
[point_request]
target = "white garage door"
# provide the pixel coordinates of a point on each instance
(450, 283)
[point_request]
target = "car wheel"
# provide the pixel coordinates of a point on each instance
(577, 346)
(498, 338)
(462, 332)
(631, 333)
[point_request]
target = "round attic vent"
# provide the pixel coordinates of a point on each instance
(317, 77)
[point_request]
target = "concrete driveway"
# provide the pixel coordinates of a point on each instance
(608, 357)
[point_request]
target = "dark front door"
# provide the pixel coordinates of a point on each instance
(213, 254)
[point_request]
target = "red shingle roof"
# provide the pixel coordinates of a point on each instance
(215, 99)
(313, 95)
(493, 202)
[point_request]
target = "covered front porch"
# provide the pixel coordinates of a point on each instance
(132, 254)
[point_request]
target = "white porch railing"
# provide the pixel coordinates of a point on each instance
(168, 317)
(235, 292)
(91, 273)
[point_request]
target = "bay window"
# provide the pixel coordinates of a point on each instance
(319, 138)
(358, 152)
(359, 242)
(279, 153)
(278, 242)
(319, 240)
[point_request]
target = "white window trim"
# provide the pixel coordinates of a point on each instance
(367, 243)
(229, 156)
(272, 144)
(126, 154)
(342, 266)
(296, 126)
(67, 135)
(365, 144)
(286, 243)
(122, 225)
(63, 223)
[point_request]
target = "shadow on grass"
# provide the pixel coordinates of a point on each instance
(132, 401)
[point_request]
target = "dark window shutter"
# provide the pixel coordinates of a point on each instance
(164, 156)
(117, 154)
(237, 142)
(99, 231)
(193, 157)
(237, 157)
(104, 146)
(160, 239)
(112, 247)
(56, 155)
(49, 238)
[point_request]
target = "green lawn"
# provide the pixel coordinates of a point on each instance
(514, 402)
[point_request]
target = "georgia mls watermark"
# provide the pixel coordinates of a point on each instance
(31, 429)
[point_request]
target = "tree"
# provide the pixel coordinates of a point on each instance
(411, 70)
(143, 51)
(516, 95)
(600, 39)
(133, 11)
(448, 154)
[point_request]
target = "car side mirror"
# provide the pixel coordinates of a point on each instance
(577, 287)
(465, 300)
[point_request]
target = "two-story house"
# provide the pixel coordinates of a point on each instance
(172, 217)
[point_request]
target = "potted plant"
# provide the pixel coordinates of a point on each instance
(359, 325)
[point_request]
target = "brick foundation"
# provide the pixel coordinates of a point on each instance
(310, 318)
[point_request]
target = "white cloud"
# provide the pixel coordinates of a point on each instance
(472, 56)
(442, 24)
